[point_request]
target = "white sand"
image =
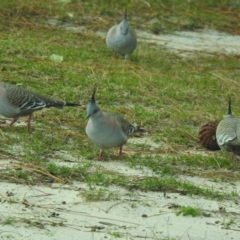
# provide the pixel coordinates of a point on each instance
(204, 41)
(135, 215)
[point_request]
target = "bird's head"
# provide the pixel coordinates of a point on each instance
(124, 25)
(93, 109)
(229, 107)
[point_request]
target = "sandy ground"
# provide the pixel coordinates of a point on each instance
(135, 215)
(58, 211)
(188, 43)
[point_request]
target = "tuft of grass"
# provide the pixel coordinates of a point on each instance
(8, 220)
(22, 175)
(229, 223)
(59, 170)
(101, 194)
(117, 234)
(189, 211)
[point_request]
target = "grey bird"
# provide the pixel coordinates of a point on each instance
(107, 130)
(121, 38)
(228, 132)
(17, 102)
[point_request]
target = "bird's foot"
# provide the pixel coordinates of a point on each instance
(100, 156)
(12, 122)
(120, 153)
(29, 122)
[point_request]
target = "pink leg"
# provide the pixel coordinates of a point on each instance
(29, 121)
(100, 155)
(12, 122)
(120, 152)
(233, 157)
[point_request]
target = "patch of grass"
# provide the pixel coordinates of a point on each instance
(229, 223)
(189, 211)
(101, 194)
(168, 94)
(8, 220)
(29, 222)
(12, 201)
(171, 184)
(22, 175)
(117, 234)
(59, 170)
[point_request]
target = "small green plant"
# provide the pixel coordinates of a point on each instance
(188, 210)
(22, 175)
(117, 234)
(9, 236)
(12, 201)
(133, 205)
(9, 221)
(229, 223)
(100, 194)
(59, 170)
(234, 193)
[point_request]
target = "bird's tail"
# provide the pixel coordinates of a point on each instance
(72, 104)
(60, 104)
(49, 102)
(139, 129)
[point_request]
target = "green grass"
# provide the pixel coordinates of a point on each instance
(228, 223)
(8, 220)
(169, 95)
(117, 234)
(189, 211)
(100, 194)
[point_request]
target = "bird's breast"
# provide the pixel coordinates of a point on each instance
(105, 135)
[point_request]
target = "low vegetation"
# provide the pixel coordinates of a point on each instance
(168, 94)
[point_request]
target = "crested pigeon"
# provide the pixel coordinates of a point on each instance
(121, 38)
(16, 102)
(228, 132)
(107, 130)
